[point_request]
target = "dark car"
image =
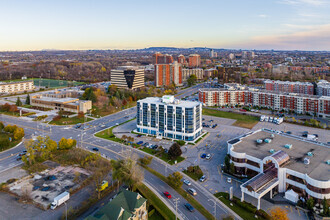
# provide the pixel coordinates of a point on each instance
(316, 135)
(288, 132)
(140, 142)
(305, 135)
(146, 144)
(18, 158)
(203, 155)
(95, 149)
(189, 207)
(139, 135)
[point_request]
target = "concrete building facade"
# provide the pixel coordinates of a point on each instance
(194, 60)
(16, 87)
(291, 87)
(198, 72)
(166, 74)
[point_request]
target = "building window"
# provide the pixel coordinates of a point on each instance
(252, 163)
(145, 114)
(178, 117)
(170, 118)
(296, 179)
(189, 120)
(153, 115)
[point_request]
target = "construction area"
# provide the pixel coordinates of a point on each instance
(44, 186)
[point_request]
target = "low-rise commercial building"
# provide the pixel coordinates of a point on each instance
(301, 104)
(16, 87)
(280, 163)
(127, 77)
(62, 100)
(169, 117)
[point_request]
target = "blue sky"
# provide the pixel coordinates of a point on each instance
(127, 24)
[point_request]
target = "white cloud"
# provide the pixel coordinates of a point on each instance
(305, 2)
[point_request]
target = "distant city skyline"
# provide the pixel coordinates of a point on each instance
(102, 24)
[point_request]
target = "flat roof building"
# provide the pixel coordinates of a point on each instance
(127, 77)
(16, 86)
(281, 162)
(169, 117)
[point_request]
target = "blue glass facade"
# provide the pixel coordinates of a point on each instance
(153, 115)
(145, 114)
(178, 116)
(189, 120)
(170, 118)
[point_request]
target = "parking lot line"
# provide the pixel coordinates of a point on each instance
(298, 212)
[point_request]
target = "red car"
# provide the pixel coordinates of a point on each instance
(167, 195)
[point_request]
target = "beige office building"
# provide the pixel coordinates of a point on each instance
(198, 72)
(16, 87)
(128, 77)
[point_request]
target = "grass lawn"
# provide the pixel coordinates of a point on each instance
(164, 156)
(16, 114)
(242, 212)
(185, 195)
(245, 121)
(153, 199)
(103, 112)
(13, 143)
(194, 175)
(54, 83)
(70, 121)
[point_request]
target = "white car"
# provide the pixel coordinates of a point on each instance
(208, 156)
(187, 182)
(228, 180)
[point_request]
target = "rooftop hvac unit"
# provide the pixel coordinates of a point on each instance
(310, 154)
(272, 151)
(306, 160)
(259, 141)
(268, 140)
(288, 146)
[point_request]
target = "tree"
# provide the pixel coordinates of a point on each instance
(232, 168)
(325, 207)
(192, 80)
(310, 203)
(64, 144)
(174, 151)
(146, 160)
(2, 126)
(80, 114)
(18, 133)
(227, 163)
(10, 128)
(278, 213)
(174, 180)
(18, 102)
(27, 100)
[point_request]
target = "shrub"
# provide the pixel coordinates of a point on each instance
(180, 142)
(151, 212)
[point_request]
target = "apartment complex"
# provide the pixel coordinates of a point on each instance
(194, 60)
(198, 72)
(62, 100)
(301, 104)
(323, 88)
(182, 60)
(128, 77)
(126, 205)
(291, 87)
(167, 74)
(281, 163)
(160, 58)
(169, 117)
(16, 87)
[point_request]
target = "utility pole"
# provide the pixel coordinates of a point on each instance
(176, 207)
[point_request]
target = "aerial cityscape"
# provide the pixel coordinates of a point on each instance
(165, 110)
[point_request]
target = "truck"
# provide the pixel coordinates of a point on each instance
(60, 199)
(262, 118)
(103, 186)
(311, 137)
(279, 120)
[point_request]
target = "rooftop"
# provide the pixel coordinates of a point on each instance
(59, 100)
(15, 82)
(178, 103)
(317, 169)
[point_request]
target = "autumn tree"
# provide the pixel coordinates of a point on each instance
(174, 151)
(2, 126)
(80, 114)
(192, 80)
(18, 133)
(174, 180)
(278, 213)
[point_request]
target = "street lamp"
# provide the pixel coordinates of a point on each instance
(66, 211)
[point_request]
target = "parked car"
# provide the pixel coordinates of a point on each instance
(288, 132)
(140, 142)
(228, 180)
(202, 179)
(167, 194)
(139, 135)
(316, 135)
(189, 207)
(18, 158)
(187, 182)
(146, 144)
(95, 149)
(192, 191)
(208, 156)
(203, 156)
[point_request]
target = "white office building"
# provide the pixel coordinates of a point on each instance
(170, 118)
